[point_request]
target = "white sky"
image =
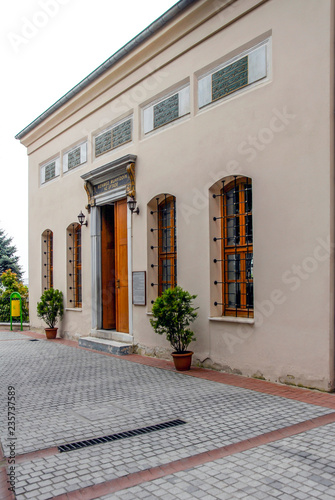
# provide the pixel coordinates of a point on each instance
(48, 46)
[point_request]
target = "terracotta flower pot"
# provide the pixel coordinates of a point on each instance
(51, 333)
(182, 361)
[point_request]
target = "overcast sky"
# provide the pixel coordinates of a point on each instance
(48, 46)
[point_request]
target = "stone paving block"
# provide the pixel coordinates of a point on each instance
(32, 494)
(19, 490)
(142, 494)
(43, 497)
(30, 487)
(21, 484)
(325, 496)
(70, 482)
(127, 496)
(59, 491)
(46, 489)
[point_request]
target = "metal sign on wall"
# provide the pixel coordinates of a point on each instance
(139, 288)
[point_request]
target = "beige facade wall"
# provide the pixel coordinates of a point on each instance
(278, 131)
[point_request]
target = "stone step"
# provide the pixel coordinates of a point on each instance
(112, 335)
(110, 346)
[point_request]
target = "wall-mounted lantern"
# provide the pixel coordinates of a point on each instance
(132, 205)
(81, 219)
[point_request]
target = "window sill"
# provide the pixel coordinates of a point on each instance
(74, 309)
(233, 319)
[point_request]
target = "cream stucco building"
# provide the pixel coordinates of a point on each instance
(227, 98)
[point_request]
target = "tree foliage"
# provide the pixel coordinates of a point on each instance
(8, 259)
(9, 283)
(173, 312)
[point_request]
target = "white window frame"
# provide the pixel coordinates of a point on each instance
(184, 108)
(259, 60)
(83, 156)
(44, 167)
(116, 124)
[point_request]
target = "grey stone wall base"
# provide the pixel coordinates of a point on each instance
(154, 352)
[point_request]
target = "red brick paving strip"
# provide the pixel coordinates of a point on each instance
(33, 455)
(96, 491)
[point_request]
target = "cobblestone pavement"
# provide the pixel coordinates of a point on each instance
(270, 442)
(14, 335)
(301, 467)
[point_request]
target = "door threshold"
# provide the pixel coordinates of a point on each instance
(112, 335)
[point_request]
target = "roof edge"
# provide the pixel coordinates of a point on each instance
(117, 56)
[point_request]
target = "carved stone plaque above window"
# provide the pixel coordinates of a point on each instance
(74, 158)
(250, 67)
(119, 134)
(50, 171)
(231, 78)
(166, 111)
(103, 143)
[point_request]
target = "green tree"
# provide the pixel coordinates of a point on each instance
(9, 283)
(8, 259)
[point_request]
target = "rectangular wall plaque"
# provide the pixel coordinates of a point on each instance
(73, 158)
(139, 288)
(166, 111)
(229, 79)
(116, 182)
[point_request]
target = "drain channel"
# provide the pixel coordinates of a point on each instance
(120, 435)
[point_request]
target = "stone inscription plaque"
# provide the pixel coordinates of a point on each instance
(139, 288)
(166, 111)
(74, 158)
(103, 143)
(121, 133)
(103, 187)
(113, 138)
(230, 78)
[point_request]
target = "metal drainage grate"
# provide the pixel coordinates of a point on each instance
(33, 340)
(119, 435)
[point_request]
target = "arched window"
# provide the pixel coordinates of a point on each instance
(163, 255)
(74, 280)
(237, 248)
(167, 249)
(47, 260)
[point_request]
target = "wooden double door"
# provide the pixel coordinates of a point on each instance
(114, 267)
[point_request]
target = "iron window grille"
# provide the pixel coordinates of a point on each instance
(75, 266)
(166, 243)
(47, 260)
(236, 248)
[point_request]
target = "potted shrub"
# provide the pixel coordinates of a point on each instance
(50, 309)
(173, 312)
